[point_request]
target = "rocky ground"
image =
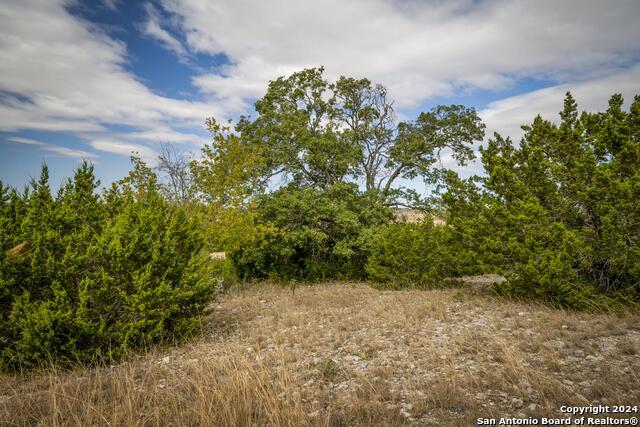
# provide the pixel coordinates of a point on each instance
(347, 354)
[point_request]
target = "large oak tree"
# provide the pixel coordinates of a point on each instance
(316, 133)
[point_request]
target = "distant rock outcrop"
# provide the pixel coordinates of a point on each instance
(217, 255)
(415, 216)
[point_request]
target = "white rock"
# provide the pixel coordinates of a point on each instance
(405, 413)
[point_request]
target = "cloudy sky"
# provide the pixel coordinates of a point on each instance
(100, 79)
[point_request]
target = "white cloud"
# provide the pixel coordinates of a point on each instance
(423, 49)
(418, 49)
(26, 141)
(62, 151)
(126, 149)
(507, 115)
(152, 27)
(165, 135)
(236, 85)
(111, 4)
(59, 73)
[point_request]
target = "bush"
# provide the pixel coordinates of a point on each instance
(96, 276)
(418, 254)
(559, 212)
(546, 259)
(309, 234)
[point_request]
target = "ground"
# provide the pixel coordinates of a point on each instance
(348, 354)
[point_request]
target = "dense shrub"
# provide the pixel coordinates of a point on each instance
(418, 254)
(560, 212)
(545, 257)
(310, 234)
(84, 277)
(408, 254)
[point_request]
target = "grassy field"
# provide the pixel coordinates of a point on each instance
(347, 354)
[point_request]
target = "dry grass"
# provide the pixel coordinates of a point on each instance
(346, 354)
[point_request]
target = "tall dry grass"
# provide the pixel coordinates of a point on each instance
(345, 354)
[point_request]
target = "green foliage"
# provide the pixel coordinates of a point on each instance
(84, 277)
(224, 272)
(416, 254)
(329, 369)
(545, 257)
(317, 138)
(230, 171)
(560, 213)
(311, 234)
(315, 133)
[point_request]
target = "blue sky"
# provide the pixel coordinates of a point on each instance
(99, 79)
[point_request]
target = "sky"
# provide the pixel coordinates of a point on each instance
(98, 80)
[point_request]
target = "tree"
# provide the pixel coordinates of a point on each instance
(315, 133)
(100, 275)
(309, 233)
(176, 179)
(563, 206)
